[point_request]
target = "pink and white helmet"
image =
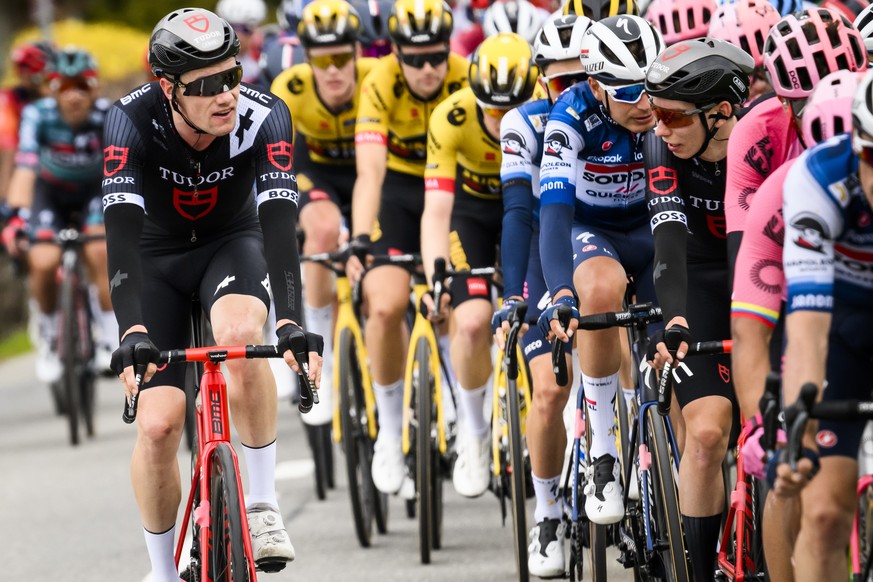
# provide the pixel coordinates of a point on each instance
(828, 110)
(744, 24)
(680, 20)
(806, 46)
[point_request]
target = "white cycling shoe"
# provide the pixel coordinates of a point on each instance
(389, 466)
(603, 492)
(545, 554)
(472, 472)
(271, 546)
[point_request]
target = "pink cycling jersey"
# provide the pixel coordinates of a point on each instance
(759, 281)
(761, 142)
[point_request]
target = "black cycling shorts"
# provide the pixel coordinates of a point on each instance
(473, 239)
(232, 264)
(398, 231)
(54, 209)
(317, 181)
(708, 315)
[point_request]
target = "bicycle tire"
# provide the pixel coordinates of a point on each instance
(865, 529)
(517, 478)
(422, 397)
(226, 554)
(668, 521)
(597, 534)
(314, 436)
(355, 440)
(68, 353)
(85, 349)
(87, 388)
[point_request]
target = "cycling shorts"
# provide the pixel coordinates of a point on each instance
(317, 181)
(399, 227)
(850, 355)
(536, 294)
(709, 319)
(232, 264)
(54, 209)
(473, 239)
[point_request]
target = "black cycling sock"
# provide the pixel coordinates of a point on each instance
(701, 538)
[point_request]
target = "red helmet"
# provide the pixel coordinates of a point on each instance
(32, 58)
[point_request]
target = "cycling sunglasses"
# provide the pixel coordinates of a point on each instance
(864, 149)
(338, 60)
(493, 111)
(626, 93)
(672, 118)
(417, 61)
(214, 84)
(563, 81)
(70, 83)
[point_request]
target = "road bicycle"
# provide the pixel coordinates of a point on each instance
(511, 462)
(221, 549)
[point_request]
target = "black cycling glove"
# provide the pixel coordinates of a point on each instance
(123, 356)
(659, 336)
(295, 338)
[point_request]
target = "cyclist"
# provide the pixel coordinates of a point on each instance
(600, 9)
(680, 20)
(245, 16)
(591, 185)
(323, 96)
(31, 62)
(281, 49)
(696, 88)
(746, 24)
(57, 182)
(374, 26)
(518, 16)
(556, 53)
(398, 98)
(827, 198)
(461, 221)
(181, 157)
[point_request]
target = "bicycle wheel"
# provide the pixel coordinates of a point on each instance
(85, 348)
(422, 388)
(865, 529)
(356, 439)
(517, 478)
(315, 435)
(226, 555)
(597, 540)
(68, 352)
(665, 507)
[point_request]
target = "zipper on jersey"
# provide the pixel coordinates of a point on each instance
(196, 167)
(193, 236)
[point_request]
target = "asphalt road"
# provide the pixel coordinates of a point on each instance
(68, 514)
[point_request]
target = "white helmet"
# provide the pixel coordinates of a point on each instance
(619, 50)
(518, 16)
(864, 24)
(862, 105)
(249, 12)
(560, 38)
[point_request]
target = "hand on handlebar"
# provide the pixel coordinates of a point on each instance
(123, 361)
(550, 323)
(302, 350)
(500, 322)
(427, 306)
(359, 249)
(677, 335)
(13, 236)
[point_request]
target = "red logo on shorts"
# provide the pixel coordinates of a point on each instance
(477, 287)
(280, 155)
(114, 159)
(663, 180)
(203, 201)
(826, 439)
(725, 373)
(864, 219)
(197, 22)
(589, 248)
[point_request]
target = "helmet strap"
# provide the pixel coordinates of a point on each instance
(710, 131)
(177, 109)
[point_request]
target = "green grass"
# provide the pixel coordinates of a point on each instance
(15, 344)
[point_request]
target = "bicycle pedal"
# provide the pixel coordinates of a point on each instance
(271, 565)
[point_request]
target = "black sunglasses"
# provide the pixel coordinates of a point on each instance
(214, 84)
(417, 61)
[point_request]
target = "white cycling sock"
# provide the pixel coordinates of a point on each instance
(448, 407)
(629, 394)
(389, 403)
(162, 555)
(470, 410)
(599, 396)
(48, 325)
(108, 329)
(320, 320)
(546, 491)
(261, 463)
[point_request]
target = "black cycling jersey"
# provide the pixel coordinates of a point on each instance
(686, 211)
(161, 196)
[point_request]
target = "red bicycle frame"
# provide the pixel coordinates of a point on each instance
(864, 482)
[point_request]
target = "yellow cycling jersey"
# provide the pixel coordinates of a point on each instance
(389, 114)
(329, 135)
(457, 141)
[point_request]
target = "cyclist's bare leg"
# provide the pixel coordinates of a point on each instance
(154, 470)
(386, 290)
(239, 320)
(43, 262)
(781, 516)
(600, 283)
(750, 362)
(546, 435)
(95, 259)
(471, 342)
(828, 503)
(321, 223)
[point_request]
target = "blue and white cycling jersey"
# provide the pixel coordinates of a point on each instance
(828, 230)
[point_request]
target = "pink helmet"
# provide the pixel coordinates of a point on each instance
(680, 20)
(745, 24)
(804, 47)
(828, 111)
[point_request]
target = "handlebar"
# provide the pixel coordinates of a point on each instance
(516, 321)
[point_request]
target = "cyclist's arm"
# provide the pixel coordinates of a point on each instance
(558, 195)
(443, 143)
(9, 120)
(23, 179)
(371, 162)
(20, 193)
(518, 202)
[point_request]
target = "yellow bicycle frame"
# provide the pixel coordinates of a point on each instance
(499, 425)
(422, 329)
(345, 319)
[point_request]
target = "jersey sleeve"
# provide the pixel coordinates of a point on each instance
(9, 121)
(812, 222)
(124, 214)
(516, 174)
(374, 110)
(749, 163)
(27, 155)
(277, 199)
(669, 227)
(443, 139)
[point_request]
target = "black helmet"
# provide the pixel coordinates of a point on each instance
(188, 39)
(702, 71)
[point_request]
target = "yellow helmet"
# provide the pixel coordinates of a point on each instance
(328, 22)
(502, 71)
(599, 9)
(420, 22)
